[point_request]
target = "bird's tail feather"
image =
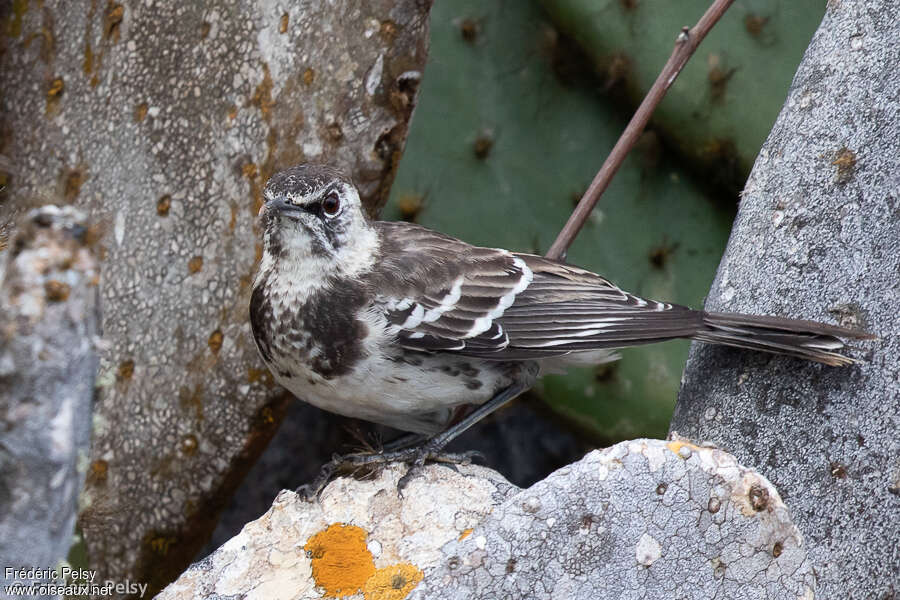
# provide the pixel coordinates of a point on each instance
(793, 337)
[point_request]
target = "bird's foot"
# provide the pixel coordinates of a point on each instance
(370, 462)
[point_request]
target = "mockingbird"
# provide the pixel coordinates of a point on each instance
(401, 325)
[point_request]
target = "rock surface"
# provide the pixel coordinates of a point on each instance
(817, 238)
(49, 323)
(164, 122)
(642, 519)
(359, 535)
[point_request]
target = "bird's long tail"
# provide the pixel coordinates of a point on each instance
(793, 337)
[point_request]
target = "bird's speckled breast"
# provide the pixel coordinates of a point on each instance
(319, 333)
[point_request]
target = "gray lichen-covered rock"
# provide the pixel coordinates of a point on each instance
(164, 120)
(49, 324)
(817, 237)
(361, 537)
(643, 519)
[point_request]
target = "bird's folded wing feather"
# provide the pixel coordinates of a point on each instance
(441, 294)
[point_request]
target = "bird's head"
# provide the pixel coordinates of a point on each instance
(313, 216)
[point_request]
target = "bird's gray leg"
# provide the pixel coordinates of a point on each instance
(431, 449)
(404, 441)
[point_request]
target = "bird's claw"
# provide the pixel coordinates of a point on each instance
(416, 458)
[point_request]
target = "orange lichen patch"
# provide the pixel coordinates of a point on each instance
(195, 264)
(392, 583)
(215, 341)
(140, 112)
(341, 563)
(283, 23)
(57, 291)
(232, 112)
(309, 75)
(466, 533)
(126, 370)
(845, 161)
(676, 446)
(163, 205)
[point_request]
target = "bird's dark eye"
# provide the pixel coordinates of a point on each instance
(331, 204)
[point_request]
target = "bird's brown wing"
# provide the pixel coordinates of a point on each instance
(443, 294)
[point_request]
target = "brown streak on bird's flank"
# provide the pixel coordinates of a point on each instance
(140, 112)
(112, 24)
(215, 341)
(195, 265)
(56, 291)
(283, 23)
(754, 24)
(845, 161)
(163, 205)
